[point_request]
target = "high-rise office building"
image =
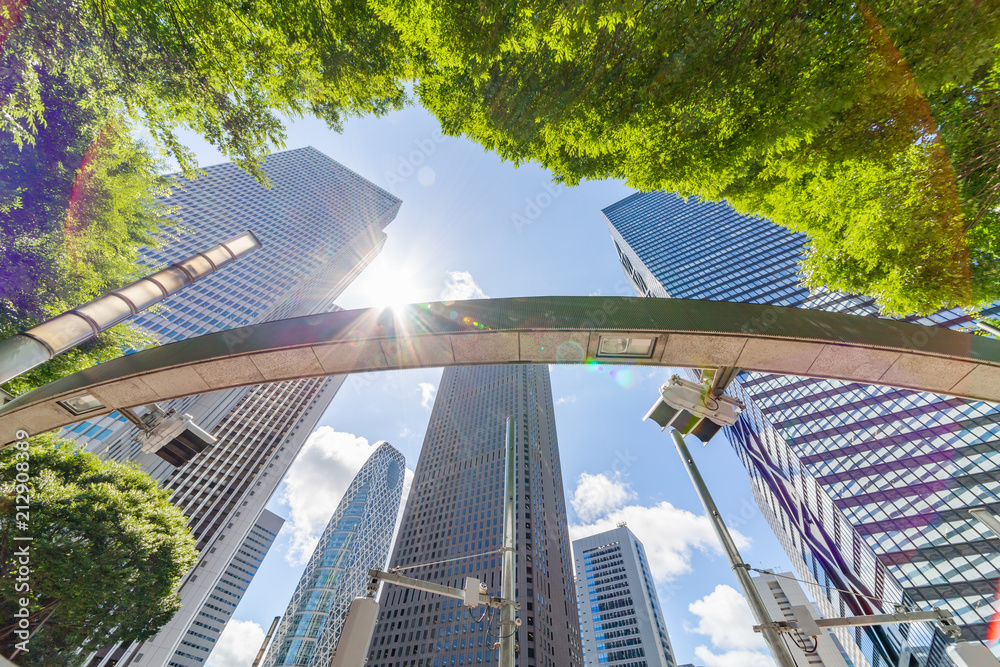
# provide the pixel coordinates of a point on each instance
(621, 621)
(320, 224)
(452, 528)
(201, 637)
(356, 539)
(868, 488)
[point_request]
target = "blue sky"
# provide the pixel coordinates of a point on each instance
(470, 221)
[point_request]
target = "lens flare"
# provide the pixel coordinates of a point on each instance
(993, 633)
(625, 377)
(569, 352)
(76, 209)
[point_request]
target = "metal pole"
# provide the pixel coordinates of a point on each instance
(740, 569)
(508, 627)
(24, 351)
(267, 640)
(988, 519)
(988, 328)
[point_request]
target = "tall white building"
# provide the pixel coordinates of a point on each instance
(320, 224)
(208, 625)
(621, 622)
(781, 592)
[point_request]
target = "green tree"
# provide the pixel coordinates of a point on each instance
(107, 551)
(76, 205)
(226, 70)
(870, 127)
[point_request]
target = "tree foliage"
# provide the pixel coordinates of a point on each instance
(871, 127)
(76, 205)
(226, 70)
(107, 553)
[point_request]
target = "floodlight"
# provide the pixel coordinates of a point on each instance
(690, 408)
(177, 439)
(624, 347)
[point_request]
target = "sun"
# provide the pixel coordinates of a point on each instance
(385, 283)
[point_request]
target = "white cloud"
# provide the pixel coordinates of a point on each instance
(732, 658)
(460, 286)
(668, 533)
(596, 495)
(565, 399)
(427, 393)
(724, 616)
(237, 646)
(317, 481)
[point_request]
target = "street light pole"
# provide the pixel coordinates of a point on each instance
(988, 328)
(363, 613)
(267, 640)
(767, 627)
(22, 352)
(508, 626)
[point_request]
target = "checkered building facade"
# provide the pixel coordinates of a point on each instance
(211, 620)
(621, 621)
(868, 488)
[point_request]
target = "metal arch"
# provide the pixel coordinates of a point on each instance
(542, 330)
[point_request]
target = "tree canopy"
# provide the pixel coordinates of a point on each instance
(76, 205)
(226, 70)
(107, 553)
(870, 127)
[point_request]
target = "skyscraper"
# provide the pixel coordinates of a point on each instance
(453, 522)
(320, 225)
(621, 622)
(201, 637)
(356, 539)
(868, 488)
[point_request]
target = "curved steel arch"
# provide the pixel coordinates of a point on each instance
(684, 333)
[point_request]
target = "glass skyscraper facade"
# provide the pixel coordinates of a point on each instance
(356, 539)
(868, 488)
(320, 224)
(621, 621)
(452, 528)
